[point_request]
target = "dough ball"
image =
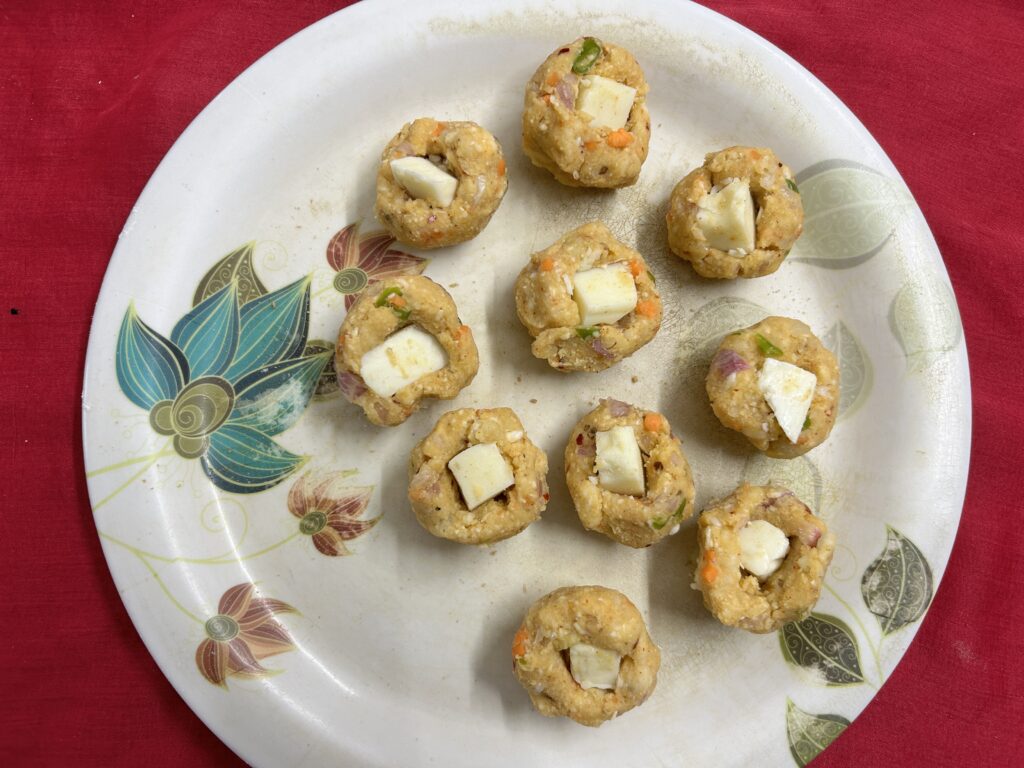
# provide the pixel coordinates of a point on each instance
(777, 210)
(463, 151)
(738, 597)
(434, 491)
(578, 148)
(597, 617)
(547, 302)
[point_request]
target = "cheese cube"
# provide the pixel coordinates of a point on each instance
(763, 547)
(607, 101)
(424, 180)
(400, 359)
(594, 667)
(726, 217)
(604, 294)
(481, 472)
(620, 467)
(789, 391)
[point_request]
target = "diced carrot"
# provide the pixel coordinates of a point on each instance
(519, 643)
(553, 79)
(652, 422)
(397, 301)
(647, 308)
(620, 138)
(636, 268)
(590, 144)
(709, 572)
(462, 331)
(755, 155)
(547, 97)
(501, 167)
(438, 128)
(546, 265)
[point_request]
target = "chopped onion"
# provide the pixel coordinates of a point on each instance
(351, 385)
(728, 362)
(566, 91)
(617, 407)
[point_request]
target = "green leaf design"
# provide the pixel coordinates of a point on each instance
(271, 399)
(850, 212)
(327, 385)
(824, 644)
(809, 734)
(208, 334)
(273, 328)
(925, 320)
(241, 459)
(704, 331)
(149, 367)
(800, 475)
(235, 268)
(897, 586)
(856, 375)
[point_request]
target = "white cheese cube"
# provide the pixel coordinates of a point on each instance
(424, 180)
(620, 467)
(726, 218)
(604, 294)
(763, 547)
(789, 390)
(594, 667)
(607, 101)
(481, 472)
(400, 359)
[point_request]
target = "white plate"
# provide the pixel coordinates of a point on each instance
(398, 654)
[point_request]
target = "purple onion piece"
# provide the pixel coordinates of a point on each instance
(586, 450)
(617, 407)
(566, 91)
(728, 362)
(600, 348)
(351, 385)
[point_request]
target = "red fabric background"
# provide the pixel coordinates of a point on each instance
(94, 94)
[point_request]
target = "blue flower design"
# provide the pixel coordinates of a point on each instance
(230, 377)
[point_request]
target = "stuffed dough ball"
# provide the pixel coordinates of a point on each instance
(477, 478)
(584, 653)
(776, 384)
(627, 474)
(585, 115)
(402, 341)
(738, 215)
(439, 183)
(588, 301)
(763, 557)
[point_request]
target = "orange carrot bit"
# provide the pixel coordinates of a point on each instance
(438, 128)
(553, 79)
(647, 308)
(547, 98)
(590, 144)
(755, 155)
(546, 265)
(501, 167)
(463, 331)
(620, 138)
(709, 572)
(397, 301)
(519, 643)
(636, 268)
(652, 422)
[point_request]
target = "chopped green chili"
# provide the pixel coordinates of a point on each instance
(588, 54)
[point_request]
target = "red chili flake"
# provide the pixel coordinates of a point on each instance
(547, 497)
(579, 439)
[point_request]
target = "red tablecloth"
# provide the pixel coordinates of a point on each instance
(94, 94)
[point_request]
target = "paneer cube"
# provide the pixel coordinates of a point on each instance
(594, 667)
(726, 218)
(620, 467)
(604, 294)
(763, 547)
(789, 390)
(400, 360)
(607, 101)
(481, 472)
(424, 180)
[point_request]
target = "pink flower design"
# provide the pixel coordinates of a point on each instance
(329, 511)
(243, 633)
(360, 260)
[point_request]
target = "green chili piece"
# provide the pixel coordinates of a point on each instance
(586, 331)
(588, 54)
(383, 298)
(792, 185)
(653, 278)
(807, 423)
(767, 348)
